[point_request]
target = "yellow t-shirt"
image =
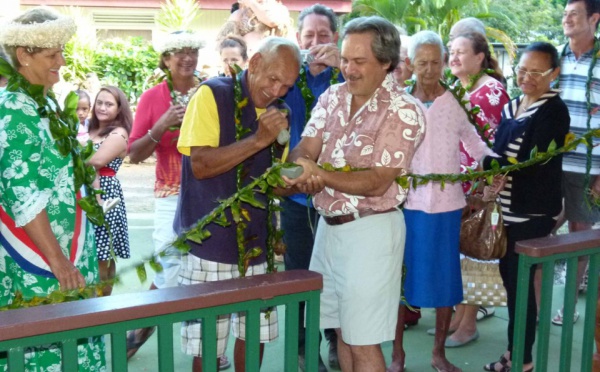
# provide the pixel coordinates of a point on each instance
(200, 126)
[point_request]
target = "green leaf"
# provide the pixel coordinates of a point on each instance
(155, 265)
(552, 146)
(248, 197)
(253, 253)
(141, 272)
(495, 165)
(533, 153)
(402, 181)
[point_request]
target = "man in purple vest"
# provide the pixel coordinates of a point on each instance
(211, 155)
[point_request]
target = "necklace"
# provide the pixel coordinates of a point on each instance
(63, 125)
(237, 210)
(178, 98)
(307, 94)
(588, 102)
(473, 79)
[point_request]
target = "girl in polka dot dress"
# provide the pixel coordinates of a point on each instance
(109, 130)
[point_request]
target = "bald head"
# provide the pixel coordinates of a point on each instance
(465, 26)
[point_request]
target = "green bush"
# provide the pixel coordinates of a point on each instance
(127, 64)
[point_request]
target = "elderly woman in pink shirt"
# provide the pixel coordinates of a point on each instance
(433, 213)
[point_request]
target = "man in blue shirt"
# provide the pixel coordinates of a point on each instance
(317, 36)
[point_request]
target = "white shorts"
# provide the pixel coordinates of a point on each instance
(163, 237)
(361, 264)
(196, 270)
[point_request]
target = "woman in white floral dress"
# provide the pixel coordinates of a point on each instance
(46, 242)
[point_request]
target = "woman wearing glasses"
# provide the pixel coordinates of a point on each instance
(531, 197)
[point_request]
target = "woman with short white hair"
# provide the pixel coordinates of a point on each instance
(433, 211)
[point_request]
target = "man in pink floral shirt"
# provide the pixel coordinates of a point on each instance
(370, 125)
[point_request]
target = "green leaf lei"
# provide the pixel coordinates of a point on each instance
(307, 94)
(459, 92)
(179, 99)
(245, 194)
(63, 126)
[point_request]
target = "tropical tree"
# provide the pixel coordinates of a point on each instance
(80, 55)
(436, 15)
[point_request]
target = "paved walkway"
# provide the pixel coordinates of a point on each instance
(417, 343)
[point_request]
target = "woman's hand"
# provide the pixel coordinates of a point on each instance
(40, 233)
(67, 274)
(173, 117)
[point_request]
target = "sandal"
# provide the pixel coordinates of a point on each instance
(505, 367)
(485, 312)
(136, 338)
(110, 204)
(558, 319)
(492, 366)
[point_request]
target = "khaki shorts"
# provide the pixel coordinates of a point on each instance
(578, 207)
(196, 270)
(361, 264)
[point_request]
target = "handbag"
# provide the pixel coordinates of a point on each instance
(482, 232)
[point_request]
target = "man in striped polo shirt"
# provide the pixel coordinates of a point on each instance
(578, 64)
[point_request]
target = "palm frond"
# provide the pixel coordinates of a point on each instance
(509, 45)
(177, 15)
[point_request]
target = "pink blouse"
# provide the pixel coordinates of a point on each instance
(447, 126)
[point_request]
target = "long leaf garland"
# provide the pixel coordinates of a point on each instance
(272, 178)
(63, 126)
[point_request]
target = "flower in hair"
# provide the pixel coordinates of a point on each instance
(49, 34)
(178, 40)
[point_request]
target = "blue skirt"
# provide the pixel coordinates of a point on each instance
(432, 259)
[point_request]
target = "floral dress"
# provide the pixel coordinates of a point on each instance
(35, 177)
(482, 284)
(116, 217)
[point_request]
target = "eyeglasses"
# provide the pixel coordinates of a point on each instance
(532, 74)
(185, 52)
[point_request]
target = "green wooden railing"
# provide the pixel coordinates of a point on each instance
(547, 251)
(65, 323)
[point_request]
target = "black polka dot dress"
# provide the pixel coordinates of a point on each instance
(116, 218)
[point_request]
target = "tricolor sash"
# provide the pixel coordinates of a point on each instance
(20, 247)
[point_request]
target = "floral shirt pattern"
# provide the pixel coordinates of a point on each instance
(34, 177)
(384, 132)
(491, 98)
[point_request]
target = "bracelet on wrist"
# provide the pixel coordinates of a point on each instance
(152, 138)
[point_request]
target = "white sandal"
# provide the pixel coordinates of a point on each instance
(558, 319)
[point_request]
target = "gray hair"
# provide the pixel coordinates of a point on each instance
(270, 46)
(465, 25)
(319, 10)
(424, 38)
(386, 40)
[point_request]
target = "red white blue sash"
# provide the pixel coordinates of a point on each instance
(20, 247)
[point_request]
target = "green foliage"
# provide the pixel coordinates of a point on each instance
(175, 15)
(531, 20)
(80, 50)
(127, 64)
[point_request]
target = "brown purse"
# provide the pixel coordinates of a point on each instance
(482, 232)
